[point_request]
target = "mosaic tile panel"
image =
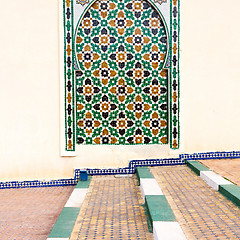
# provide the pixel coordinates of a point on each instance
(160, 1)
(82, 2)
(174, 75)
(73, 8)
(69, 77)
(121, 83)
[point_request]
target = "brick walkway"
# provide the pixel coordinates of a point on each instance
(30, 213)
(112, 210)
(202, 212)
(229, 168)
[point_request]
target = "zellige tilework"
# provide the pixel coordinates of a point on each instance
(112, 209)
(121, 96)
(121, 63)
(202, 212)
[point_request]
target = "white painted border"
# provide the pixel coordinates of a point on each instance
(57, 238)
(77, 197)
(213, 179)
(149, 186)
(167, 231)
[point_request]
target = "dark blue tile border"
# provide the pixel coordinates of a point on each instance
(132, 166)
(36, 183)
(210, 155)
(183, 158)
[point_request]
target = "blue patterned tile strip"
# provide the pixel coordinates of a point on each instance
(210, 155)
(127, 170)
(31, 184)
(132, 166)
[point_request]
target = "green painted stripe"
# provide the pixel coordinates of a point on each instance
(232, 192)
(65, 223)
(143, 172)
(84, 184)
(197, 167)
(159, 208)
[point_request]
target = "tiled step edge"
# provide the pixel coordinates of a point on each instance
(162, 219)
(228, 189)
(63, 227)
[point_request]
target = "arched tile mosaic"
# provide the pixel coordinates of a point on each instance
(121, 84)
(120, 68)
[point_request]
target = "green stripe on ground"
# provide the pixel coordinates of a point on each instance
(65, 223)
(143, 172)
(232, 192)
(197, 167)
(159, 208)
(84, 184)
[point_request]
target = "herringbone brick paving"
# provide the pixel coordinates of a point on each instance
(112, 210)
(30, 213)
(202, 212)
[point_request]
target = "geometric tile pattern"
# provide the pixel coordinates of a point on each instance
(172, 63)
(36, 183)
(131, 169)
(132, 166)
(210, 155)
(112, 209)
(121, 85)
(82, 2)
(174, 74)
(69, 76)
(202, 212)
(160, 1)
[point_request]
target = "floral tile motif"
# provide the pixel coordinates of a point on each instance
(121, 84)
(82, 2)
(160, 1)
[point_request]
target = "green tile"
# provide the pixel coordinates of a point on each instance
(65, 223)
(231, 191)
(84, 184)
(143, 172)
(197, 167)
(159, 208)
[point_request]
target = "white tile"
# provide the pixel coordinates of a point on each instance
(213, 179)
(149, 186)
(167, 231)
(57, 238)
(77, 197)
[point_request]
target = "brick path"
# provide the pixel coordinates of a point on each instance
(112, 210)
(202, 212)
(229, 168)
(30, 213)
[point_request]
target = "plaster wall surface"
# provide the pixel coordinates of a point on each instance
(30, 90)
(210, 49)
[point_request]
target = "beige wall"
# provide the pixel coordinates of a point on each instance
(211, 75)
(30, 89)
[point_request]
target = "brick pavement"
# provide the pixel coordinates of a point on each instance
(112, 210)
(202, 212)
(30, 213)
(229, 168)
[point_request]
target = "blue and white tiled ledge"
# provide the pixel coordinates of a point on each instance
(182, 159)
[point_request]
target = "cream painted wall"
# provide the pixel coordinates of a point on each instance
(211, 74)
(29, 93)
(30, 90)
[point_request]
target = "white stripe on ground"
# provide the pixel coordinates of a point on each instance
(213, 179)
(167, 231)
(149, 186)
(77, 197)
